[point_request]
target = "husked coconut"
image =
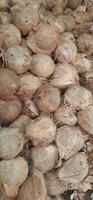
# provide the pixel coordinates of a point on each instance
(85, 119)
(9, 35)
(75, 169)
(13, 173)
(54, 186)
(86, 80)
(4, 4)
(69, 22)
(47, 98)
(44, 159)
(84, 43)
(5, 17)
(43, 40)
(65, 115)
(73, 4)
(66, 51)
(9, 83)
(10, 110)
(64, 76)
(28, 85)
(30, 109)
(42, 65)
(69, 141)
(18, 59)
(26, 190)
(11, 143)
(41, 131)
(21, 122)
(78, 97)
(25, 18)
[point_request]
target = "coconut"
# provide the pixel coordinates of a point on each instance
(41, 131)
(4, 4)
(10, 110)
(21, 122)
(30, 109)
(74, 170)
(85, 119)
(64, 76)
(73, 4)
(69, 141)
(5, 17)
(9, 83)
(44, 159)
(10, 35)
(18, 59)
(78, 97)
(84, 43)
(13, 173)
(65, 115)
(66, 51)
(28, 85)
(68, 21)
(42, 65)
(43, 40)
(25, 18)
(11, 143)
(87, 80)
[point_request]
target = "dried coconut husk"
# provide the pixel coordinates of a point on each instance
(42, 65)
(44, 159)
(65, 115)
(5, 17)
(68, 36)
(80, 15)
(9, 83)
(78, 97)
(68, 21)
(87, 80)
(82, 63)
(47, 98)
(69, 141)
(18, 59)
(9, 35)
(35, 3)
(75, 169)
(4, 4)
(41, 131)
(66, 51)
(64, 76)
(11, 143)
(28, 85)
(84, 43)
(21, 122)
(73, 4)
(43, 40)
(25, 18)
(85, 119)
(13, 173)
(34, 188)
(30, 109)
(54, 186)
(10, 110)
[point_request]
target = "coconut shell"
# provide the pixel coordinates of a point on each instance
(75, 169)
(42, 65)
(21, 122)
(43, 40)
(18, 59)
(85, 119)
(69, 141)
(25, 18)
(28, 85)
(47, 98)
(78, 97)
(10, 35)
(30, 109)
(10, 110)
(9, 83)
(11, 143)
(44, 159)
(41, 131)
(64, 76)
(13, 173)
(65, 115)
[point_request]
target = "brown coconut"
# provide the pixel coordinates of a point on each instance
(30, 109)
(69, 141)
(44, 159)
(13, 173)
(4, 4)
(5, 17)
(18, 59)
(41, 131)
(47, 98)
(69, 22)
(84, 43)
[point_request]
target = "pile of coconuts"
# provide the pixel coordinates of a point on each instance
(46, 99)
